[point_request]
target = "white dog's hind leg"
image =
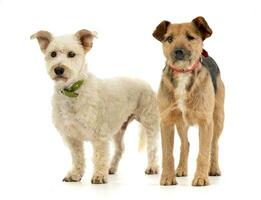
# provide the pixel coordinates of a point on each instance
(119, 149)
(119, 145)
(100, 160)
(77, 153)
(152, 140)
(148, 115)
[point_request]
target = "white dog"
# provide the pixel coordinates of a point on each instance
(86, 108)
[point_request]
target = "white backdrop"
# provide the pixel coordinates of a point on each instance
(33, 158)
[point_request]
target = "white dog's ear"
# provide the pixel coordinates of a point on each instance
(86, 39)
(44, 38)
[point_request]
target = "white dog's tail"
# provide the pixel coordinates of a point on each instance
(142, 139)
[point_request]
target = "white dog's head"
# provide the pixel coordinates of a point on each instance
(65, 55)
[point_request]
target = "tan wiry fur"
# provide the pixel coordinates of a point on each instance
(102, 110)
(186, 99)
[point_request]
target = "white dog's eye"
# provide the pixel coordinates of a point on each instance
(71, 54)
(53, 54)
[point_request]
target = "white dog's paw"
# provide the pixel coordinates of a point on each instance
(152, 170)
(99, 179)
(112, 170)
(73, 176)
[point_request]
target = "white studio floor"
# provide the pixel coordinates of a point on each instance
(42, 178)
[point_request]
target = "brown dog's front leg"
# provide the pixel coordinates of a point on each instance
(167, 139)
(203, 161)
(182, 169)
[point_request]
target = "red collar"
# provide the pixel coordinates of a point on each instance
(185, 70)
(204, 53)
(177, 70)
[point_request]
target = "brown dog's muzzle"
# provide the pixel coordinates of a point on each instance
(179, 54)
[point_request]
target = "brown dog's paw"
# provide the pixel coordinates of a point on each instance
(72, 179)
(99, 179)
(168, 180)
(181, 172)
(200, 181)
(152, 170)
(214, 172)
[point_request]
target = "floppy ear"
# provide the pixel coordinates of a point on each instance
(161, 30)
(86, 39)
(202, 26)
(44, 38)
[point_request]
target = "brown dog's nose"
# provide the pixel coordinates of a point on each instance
(179, 54)
(59, 71)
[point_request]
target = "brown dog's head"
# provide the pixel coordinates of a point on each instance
(182, 43)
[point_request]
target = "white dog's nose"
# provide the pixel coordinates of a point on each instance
(59, 71)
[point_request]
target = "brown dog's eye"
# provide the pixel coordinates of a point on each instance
(53, 54)
(169, 39)
(190, 37)
(71, 54)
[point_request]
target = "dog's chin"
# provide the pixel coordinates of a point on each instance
(180, 63)
(62, 82)
(60, 79)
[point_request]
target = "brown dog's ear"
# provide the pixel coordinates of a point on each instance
(86, 39)
(44, 38)
(202, 26)
(161, 30)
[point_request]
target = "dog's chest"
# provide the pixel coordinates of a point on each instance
(181, 92)
(73, 118)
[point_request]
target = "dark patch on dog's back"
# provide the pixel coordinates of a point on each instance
(212, 67)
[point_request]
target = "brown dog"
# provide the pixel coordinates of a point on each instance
(191, 92)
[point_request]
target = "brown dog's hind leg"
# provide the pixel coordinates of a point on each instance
(167, 139)
(182, 169)
(203, 161)
(218, 127)
(214, 166)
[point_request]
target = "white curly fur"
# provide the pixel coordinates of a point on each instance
(100, 113)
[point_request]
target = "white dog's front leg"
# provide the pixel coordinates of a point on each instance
(101, 162)
(77, 152)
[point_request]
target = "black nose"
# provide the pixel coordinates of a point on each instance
(58, 71)
(179, 54)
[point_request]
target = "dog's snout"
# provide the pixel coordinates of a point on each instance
(59, 71)
(179, 53)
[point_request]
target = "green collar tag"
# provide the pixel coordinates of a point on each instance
(70, 91)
